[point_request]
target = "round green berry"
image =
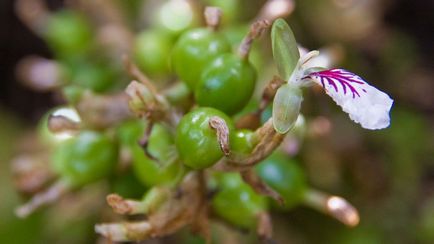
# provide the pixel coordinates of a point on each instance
(227, 83)
(243, 141)
(194, 50)
(196, 141)
(68, 34)
(285, 177)
(236, 202)
(86, 158)
(162, 168)
(152, 51)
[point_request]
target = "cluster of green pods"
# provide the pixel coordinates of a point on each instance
(138, 153)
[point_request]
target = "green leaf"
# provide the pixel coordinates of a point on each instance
(286, 107)
(285, 50)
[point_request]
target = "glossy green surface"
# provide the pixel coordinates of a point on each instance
(284, 176)
(68, 34)
(242, 142)
(86, 158)
(196, 141)
(160, 146)
(194, 50)
(227, 84)
(152, 51)
(236, 202)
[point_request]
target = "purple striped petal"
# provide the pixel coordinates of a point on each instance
(364, 103)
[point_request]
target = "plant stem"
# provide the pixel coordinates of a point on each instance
(52, 194)
(267, 141)
(334, 206)
(255, 32)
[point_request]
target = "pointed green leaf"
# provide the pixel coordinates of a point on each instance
(285, 50)
(286, 107)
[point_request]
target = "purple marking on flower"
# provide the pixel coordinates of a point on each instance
(345, 78)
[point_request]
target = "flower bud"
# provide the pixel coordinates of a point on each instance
(140, 97)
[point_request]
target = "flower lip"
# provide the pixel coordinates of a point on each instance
(364, 103)
(344, 78)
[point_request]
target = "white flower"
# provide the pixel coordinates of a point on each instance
(364, 103)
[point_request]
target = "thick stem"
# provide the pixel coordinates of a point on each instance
(250, 121)
(255, 32)
(153, 199)
(266, 140)
(49, 196)
(124, 206)
(179, 210)
(335, 206)
(127, 231)
(259, 186)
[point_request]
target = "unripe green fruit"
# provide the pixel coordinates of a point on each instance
(68, 34)
(174, 17)
(152, 51)
(285, 177)
(236, 202)
(196, 141)
(86, 158)
(94, 76)
(130, 132)
(227, 84)
(194, 50)
(160, 146)
(242, 142)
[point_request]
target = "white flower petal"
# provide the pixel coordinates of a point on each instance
(365, 104)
